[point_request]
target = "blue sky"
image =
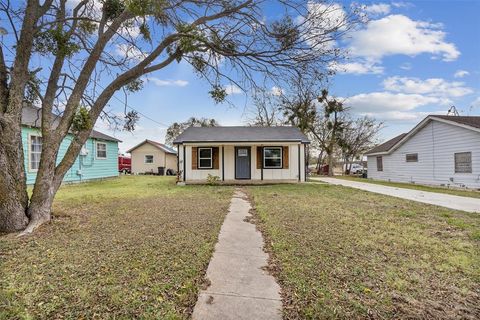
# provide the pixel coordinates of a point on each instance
(411, 59)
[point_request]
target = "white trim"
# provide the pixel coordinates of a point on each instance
(200, 158)
(29, 148)
(145, 158)
(96, 150)
(281, 158)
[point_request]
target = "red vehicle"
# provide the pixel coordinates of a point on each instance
(124, 164)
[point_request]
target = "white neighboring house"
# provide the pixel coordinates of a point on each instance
(242, 154)
(440, 150)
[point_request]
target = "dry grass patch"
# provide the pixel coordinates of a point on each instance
(135, 247)
(345, 253)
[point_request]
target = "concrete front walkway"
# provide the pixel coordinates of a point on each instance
(439, 199)
(240, 287)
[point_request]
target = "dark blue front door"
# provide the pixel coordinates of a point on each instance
(242, 163)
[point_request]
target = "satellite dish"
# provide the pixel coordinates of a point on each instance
(3, 31)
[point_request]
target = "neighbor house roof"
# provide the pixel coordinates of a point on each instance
(159, 145)
(241, 134)
(387, 145)
(468, 122)
(32, 117)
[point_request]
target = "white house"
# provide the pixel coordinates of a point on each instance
(242, 154)
(440, 150)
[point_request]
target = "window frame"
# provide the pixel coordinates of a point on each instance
(411, 154)
(204, 158)
(96, 150)
(455, 162)
(281, 158)
(379, 168)
(145, 158)
(30, 136)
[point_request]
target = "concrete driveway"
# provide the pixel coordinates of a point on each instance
(439, 199)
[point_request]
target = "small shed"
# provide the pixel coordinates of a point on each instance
(149, 156)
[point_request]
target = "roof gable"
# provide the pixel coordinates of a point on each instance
(468, 122)
(158, 145)
(241, 134)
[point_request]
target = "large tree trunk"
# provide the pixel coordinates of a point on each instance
(13, 189)
(45, 187)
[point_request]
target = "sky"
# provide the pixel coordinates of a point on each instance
(411, 59)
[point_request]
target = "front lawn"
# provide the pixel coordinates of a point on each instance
(345, 253)
(133, 247)
(452, 191)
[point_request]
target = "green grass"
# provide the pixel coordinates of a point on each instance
(133, 247)
(342, 253)
(455, 192)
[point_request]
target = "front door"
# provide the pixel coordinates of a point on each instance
(242, 163)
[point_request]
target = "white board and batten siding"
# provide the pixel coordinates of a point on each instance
(286, 174)
(436, 144)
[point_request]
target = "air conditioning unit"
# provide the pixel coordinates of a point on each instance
(84, 151)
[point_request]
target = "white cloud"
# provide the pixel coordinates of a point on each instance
(433, 87)
(232, 89)
(276, 91)
(130, 52)
(168, 82)
(461, 73)
(382, 102)
(402, 4)
(362, 67)
(378, 9)
(398, 34)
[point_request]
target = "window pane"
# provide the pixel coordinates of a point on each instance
(272, 152)
(34, 160)
(412, 157)
(101, 150)
(463, 162)
(205, 153)
(148, 159)
(36, 144)
(205, 163)
(273, 163)
(379, 164)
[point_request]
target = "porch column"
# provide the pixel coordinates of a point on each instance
(184, 165)
(261, 165)
(223, 164)
(299, 165)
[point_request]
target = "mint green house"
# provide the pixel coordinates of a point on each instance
(98, 158)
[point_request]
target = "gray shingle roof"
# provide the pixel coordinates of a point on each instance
(32, 117)
(241, 134)
(384, 147)
(472, 121)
